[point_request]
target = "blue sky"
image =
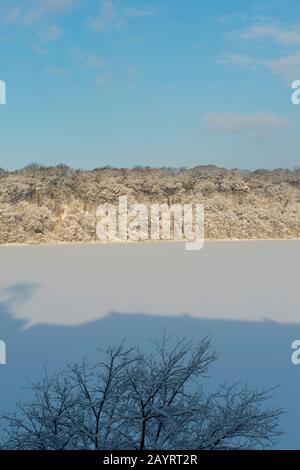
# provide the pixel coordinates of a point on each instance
(150, 82)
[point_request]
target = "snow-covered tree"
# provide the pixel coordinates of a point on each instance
(136, 401)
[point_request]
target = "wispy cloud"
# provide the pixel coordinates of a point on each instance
(28, 13)
(100, 66)
(285, 65)
(240, 59)
(139, 12)
(57, 71)
(110, 17)
(103, 78)
(254, 125)
(285, 35)
(37, 16)
(89, 61)
(94, 63)
(49, 33)
(13, 15)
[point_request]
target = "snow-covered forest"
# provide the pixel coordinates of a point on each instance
(51, 204)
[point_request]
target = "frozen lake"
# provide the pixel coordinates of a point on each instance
(60, 303)
(75, 284)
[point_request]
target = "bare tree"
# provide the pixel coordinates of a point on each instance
(138, 401)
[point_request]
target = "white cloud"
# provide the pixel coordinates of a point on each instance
(95, 63)
(56, 6)
(13, 14)
(240, 59)
(139, 12)
(286, 65)
(103, 78)
(110, 18)
(285, 35)
(89, 60)
(57, 71)
(49, 33)
(255, 125)
(44, 9)
(28, 13)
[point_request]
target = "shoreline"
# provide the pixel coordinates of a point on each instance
(144, 242)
